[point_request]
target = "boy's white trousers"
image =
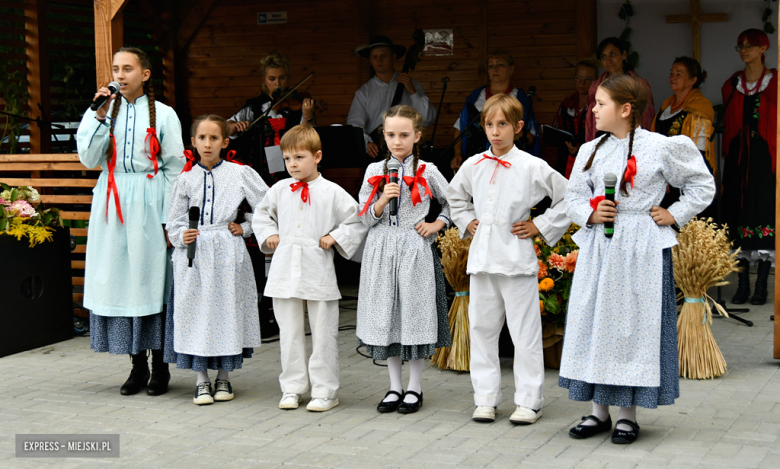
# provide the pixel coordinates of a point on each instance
(490, 297)
(323, 369)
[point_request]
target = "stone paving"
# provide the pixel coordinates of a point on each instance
(733, 421)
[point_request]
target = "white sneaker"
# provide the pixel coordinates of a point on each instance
(525, 416)
(203, 394)
(321, 405)
(484, 414)
(290, 401)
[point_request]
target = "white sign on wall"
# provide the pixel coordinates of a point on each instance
(272, 17)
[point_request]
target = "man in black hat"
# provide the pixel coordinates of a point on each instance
(376, 96)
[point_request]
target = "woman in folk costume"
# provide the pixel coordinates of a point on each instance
(137, 142)
(750, 149)
(687, 112)
(620, 345)
(612, 53)
(212, 320)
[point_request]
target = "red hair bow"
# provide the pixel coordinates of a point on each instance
(304, 192)
(374, 181)
(190, 161)
(154, 148)
(628, 176)
(412, 183)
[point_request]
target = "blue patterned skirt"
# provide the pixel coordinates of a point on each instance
(194, 362)
(648, 397)
(443, 338)
(125, 335)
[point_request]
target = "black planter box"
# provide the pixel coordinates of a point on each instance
(36, 304)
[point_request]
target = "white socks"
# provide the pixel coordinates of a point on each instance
(394, 368)
(415, 380)
(628, 413)
(222, 374)
(601, 412)
(203, 377)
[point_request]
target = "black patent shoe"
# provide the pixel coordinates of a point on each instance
(139, 376)
(158, 384)
(407, 408)
(580, 432)
(623, 437)
(386, 407)
(762, 277)
(743, 282)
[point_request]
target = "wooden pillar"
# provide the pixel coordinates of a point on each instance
(776, 353)
(586, 28)
(38, 83)
(109, 33)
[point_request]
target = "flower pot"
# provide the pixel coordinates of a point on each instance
(37, 294)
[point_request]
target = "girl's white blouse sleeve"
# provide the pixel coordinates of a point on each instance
(684, 167)
(254, 192)
(171, 151)
(178, 213)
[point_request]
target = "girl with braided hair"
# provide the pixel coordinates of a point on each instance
(620, 346)
(137, 142)
(399, 315)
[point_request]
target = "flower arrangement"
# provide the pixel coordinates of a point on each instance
(454, 257)
(556, 271)
(24, 216)
(702, 259)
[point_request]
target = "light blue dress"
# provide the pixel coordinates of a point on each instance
(125, 274)
(614, 320)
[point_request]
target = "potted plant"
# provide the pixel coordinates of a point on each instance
(556, 272)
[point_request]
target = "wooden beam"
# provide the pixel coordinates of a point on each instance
(117, 6)
(192, 23)
(38, 83)
(777, 240)
(586, 28)
(103, 40)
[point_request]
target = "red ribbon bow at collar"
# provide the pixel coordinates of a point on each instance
(112, 184)
(154, 148)
(374, 181)
(628, 176)
(232, 154)
(498, 161)
(190, 161)
(304, 193)
(412, 183)
(277, 124)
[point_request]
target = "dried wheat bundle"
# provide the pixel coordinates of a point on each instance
(702, 259)
(454, 257)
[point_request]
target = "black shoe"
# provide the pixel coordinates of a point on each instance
(158, 384)
(390, 406)
(223, 390)
(580, 432)
(623, 437)
(139, 375)
(407, 408)
(743, 285)
(760, 294)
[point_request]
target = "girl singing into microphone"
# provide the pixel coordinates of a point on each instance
(212, 321)
(401, 279)
(620, 346)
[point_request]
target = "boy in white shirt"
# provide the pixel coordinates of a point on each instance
(506, 183)
(299, 221)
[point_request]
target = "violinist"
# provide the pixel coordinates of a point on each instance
(275, 70)
(376, 96)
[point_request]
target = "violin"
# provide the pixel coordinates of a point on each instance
(294, 100)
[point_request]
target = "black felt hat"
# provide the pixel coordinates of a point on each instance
(381, 41)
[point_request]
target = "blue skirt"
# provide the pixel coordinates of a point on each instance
(194, 362)
(648, 397)
(125, 335)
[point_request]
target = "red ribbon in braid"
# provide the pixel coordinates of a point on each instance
(628, 176)
(111, 187)
(190, 161)
(374, 181)
(154, 148)
(412, 183)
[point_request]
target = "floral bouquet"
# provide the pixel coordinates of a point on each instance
(23, 215)
(454, 257)
(556, 272)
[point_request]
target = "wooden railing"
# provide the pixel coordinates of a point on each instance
(45, 173)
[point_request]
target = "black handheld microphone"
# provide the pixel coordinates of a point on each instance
(392, 169)
(113, 88)
(531, 92)
(610, 181)
(194, 217)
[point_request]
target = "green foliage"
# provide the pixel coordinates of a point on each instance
(766, 17)
(625, 14)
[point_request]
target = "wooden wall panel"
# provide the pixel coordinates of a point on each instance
(222, 61)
